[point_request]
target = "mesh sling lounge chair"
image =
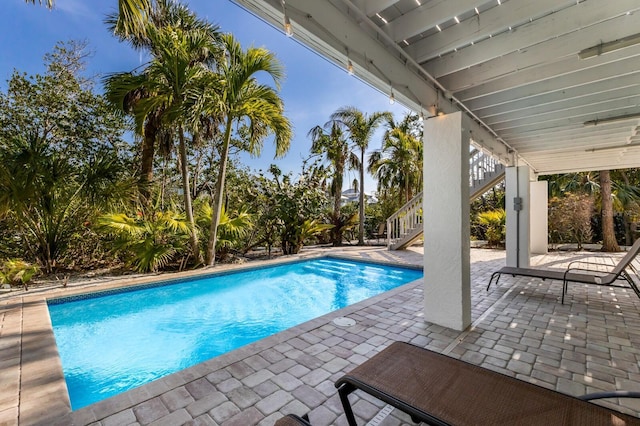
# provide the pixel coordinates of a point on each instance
(440, 390)
(581, 272)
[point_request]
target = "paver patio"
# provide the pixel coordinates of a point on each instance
(519, 328)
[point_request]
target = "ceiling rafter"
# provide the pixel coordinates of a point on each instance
(566, 45)
(492, 21)
(426, 17)
(552, 26)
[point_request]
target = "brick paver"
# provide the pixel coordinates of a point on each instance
(519, 328)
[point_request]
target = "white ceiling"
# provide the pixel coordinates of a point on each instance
(511, 65)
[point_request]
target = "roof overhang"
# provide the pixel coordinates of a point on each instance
(551, 83)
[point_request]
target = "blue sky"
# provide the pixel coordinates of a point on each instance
(312, 90)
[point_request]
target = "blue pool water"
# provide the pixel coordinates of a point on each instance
(115, 342)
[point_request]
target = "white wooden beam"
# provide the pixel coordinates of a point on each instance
(427, 16)
(607, 88)
(609, 109)
(564, 145)
(577, 131)
(590, 76)
(552, 26)
(547, 73)
(565, 107)
(489, 22)
(569, 44)
(371, 7)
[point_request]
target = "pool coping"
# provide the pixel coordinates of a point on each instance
(43, 395)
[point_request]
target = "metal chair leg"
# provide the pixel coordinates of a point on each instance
(343, 392)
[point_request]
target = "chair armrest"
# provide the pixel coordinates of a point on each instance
(582, 262)
(610, 394)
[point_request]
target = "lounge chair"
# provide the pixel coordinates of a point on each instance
(582, 272)
(382, 231)
(293, 420)
(440, 390)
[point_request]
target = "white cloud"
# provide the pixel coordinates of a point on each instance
(79, 9)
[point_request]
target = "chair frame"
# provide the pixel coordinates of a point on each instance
(588, 274)
(381, 368)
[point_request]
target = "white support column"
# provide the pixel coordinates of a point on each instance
(539, 217)
(517, 205)
(447, 282)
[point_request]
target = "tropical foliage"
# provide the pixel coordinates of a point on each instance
(62, 155)
(330, 142)
(360, 127)
(238, 97)
(293, 207)
(570, 219)
(398, 164)
(16, 271)
(614, 194)
(148, 243)
(494, 222)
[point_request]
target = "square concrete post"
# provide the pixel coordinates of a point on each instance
(517, 205)
(539, 217)
(447, 282)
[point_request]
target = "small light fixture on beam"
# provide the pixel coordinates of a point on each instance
(435, 111)
(349, 67)
(610, 46)
(392, 98)
(288, 30)
(421, 115)
(625, 117)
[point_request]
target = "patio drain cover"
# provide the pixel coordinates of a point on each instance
(344, 322)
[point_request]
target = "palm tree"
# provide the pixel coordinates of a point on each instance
(239, 98)
(613, 195)
(361, 128)
(609, 243)
(125, 90)
(181, 61)
(132, 14)
(398, 164)
(330, 141)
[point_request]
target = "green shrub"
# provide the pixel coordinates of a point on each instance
(570, 219)
(16, 271)
(494, 221)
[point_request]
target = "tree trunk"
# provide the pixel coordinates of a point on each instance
(217, 197)
(361, 207)
(146, 158)
(187, 199)
(336, 233)
(609, 243)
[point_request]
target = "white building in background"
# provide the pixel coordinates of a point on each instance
(352, 196)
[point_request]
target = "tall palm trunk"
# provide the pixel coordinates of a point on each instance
(187, 198)
(361, 209)
(218, 195)
(146, 158)
(337, 201)
(609, 243)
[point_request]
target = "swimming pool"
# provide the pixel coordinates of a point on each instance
(110, 343)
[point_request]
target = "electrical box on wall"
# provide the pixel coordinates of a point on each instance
(517, 203)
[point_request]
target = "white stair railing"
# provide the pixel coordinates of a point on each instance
(402, 223)
(482, 168)
(405, 225)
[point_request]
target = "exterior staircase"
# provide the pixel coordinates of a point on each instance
(485, 172)
(404, 227)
